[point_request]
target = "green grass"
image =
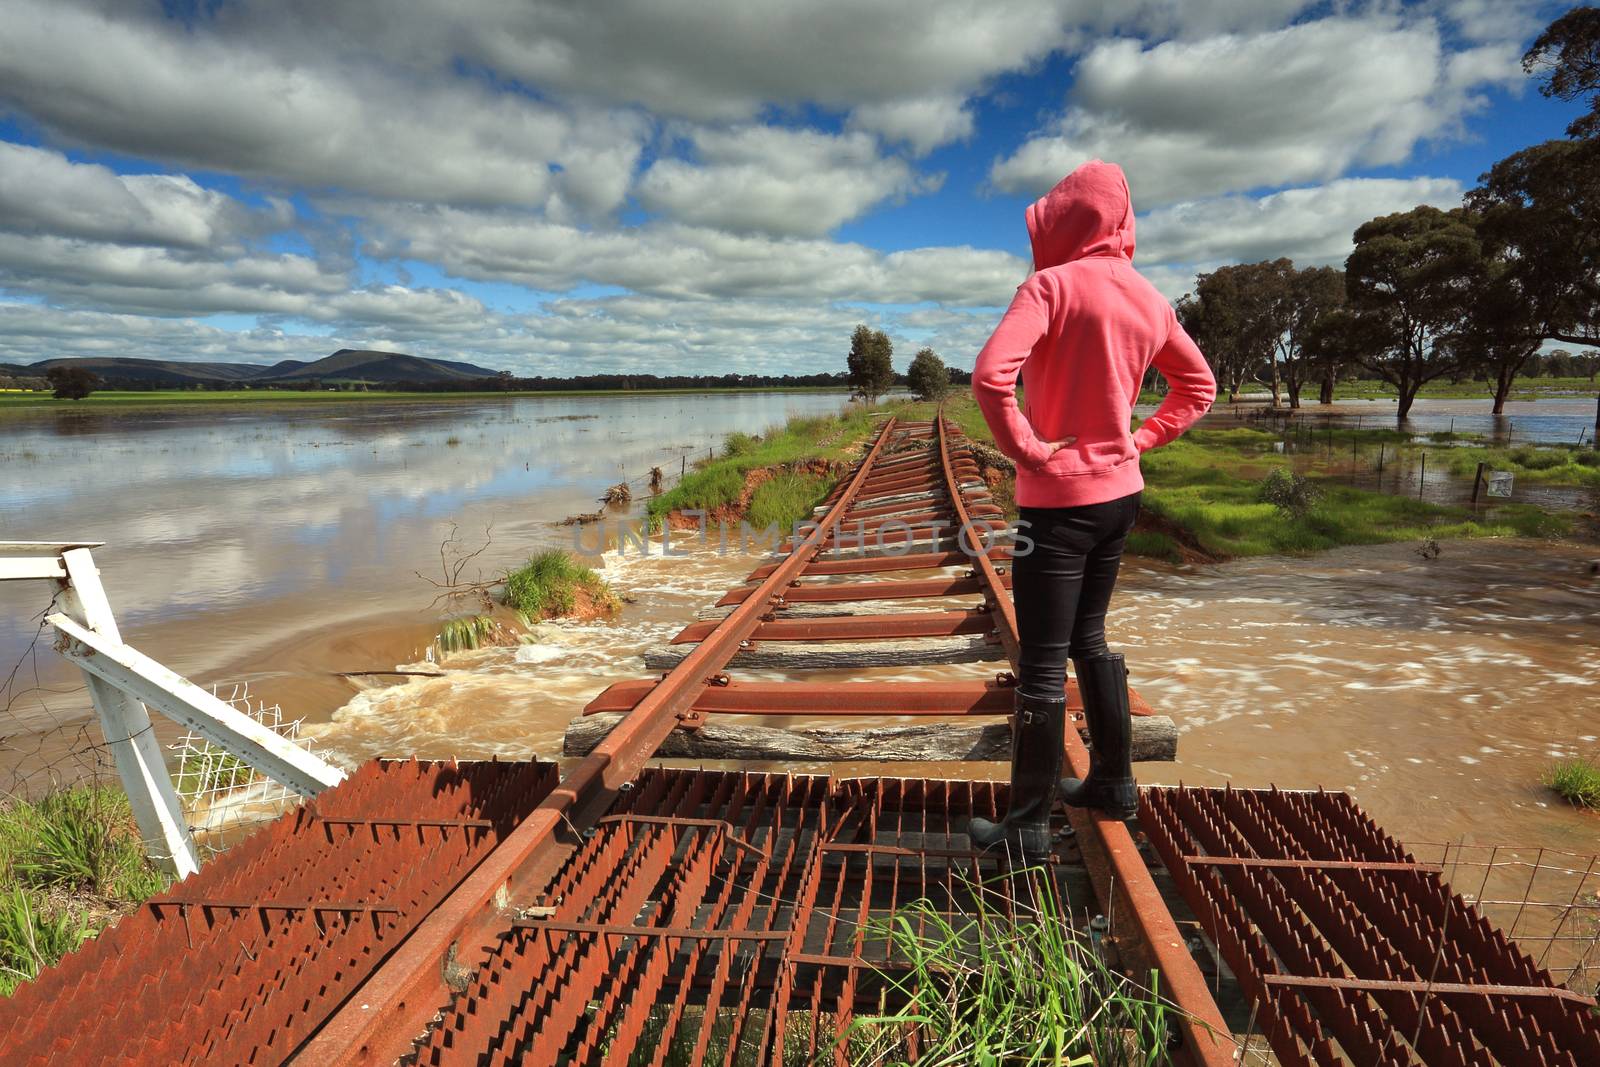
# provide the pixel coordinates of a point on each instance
(72, 861)
(1206, 488)
(785, 499)
(34, 934)
(1559, 464)
(547, 586)
(1577, 781)
(996, 983)
(1212, 491)
(719, 482)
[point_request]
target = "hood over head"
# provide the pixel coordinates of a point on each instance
(1089, 212)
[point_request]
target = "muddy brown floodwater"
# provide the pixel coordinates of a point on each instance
(1438, 691)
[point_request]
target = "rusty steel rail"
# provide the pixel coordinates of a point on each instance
(413, 981)
(1351, 951)
(1116, 868)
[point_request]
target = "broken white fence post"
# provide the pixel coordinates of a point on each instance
(123, 682)
(127, 728)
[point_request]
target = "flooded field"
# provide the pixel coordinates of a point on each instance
(280, 544)
(276, 551)
(1551, 421)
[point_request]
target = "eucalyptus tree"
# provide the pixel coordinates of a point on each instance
(870, 362)
(1410, 280)
(928, 377)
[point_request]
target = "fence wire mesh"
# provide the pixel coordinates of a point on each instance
(1545, 899)
(224, 797)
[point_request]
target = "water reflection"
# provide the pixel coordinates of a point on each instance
(232, 513)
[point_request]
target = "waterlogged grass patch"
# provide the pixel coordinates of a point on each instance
(1558, 464)
(785, 499)
(1577, 781)
(466, 633)
(72, 862)
(552, 584)
(1005, 983)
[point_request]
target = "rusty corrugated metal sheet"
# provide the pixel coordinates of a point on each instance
(1350, 950)
(244, 960)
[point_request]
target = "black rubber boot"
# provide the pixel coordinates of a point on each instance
(1035, 766)
(1103, 681)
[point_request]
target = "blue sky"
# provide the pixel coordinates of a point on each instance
(690, 186)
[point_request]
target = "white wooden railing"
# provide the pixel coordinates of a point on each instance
(124, 684)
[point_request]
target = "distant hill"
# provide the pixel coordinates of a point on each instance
(362, 365)
(345, 365)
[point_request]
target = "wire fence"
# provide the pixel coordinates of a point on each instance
(1547, 900)
(223, 797)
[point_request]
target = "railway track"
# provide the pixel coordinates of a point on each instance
(445, 913)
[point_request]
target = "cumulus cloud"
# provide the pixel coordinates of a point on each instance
(148, 89)
(41, 191)
(763, 178)
(500, 144)
(1234, 112)
(707, 60)
(921, 123)
(1311, 226)
(690, 262)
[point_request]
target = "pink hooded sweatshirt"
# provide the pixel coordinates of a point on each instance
(1082, 331)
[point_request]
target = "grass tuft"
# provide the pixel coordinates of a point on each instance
(34, 935)
(465, 634)
(1007, 982)
(1577, 781)
(72, 862)
(549, 584)
(785, 499)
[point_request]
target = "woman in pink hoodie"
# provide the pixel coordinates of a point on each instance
(1081, 333)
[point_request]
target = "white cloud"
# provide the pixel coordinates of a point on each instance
(1310, 225)
(687, 261)
(1231, 113)
(708, 60)
(499, 142)
(766, 179)
(41, 191)
(323, 121)
(921, 123)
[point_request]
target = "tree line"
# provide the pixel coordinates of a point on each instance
(1470, 292)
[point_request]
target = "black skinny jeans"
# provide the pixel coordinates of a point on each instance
(1062, 588)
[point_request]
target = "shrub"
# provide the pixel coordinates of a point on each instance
(1292, 494)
